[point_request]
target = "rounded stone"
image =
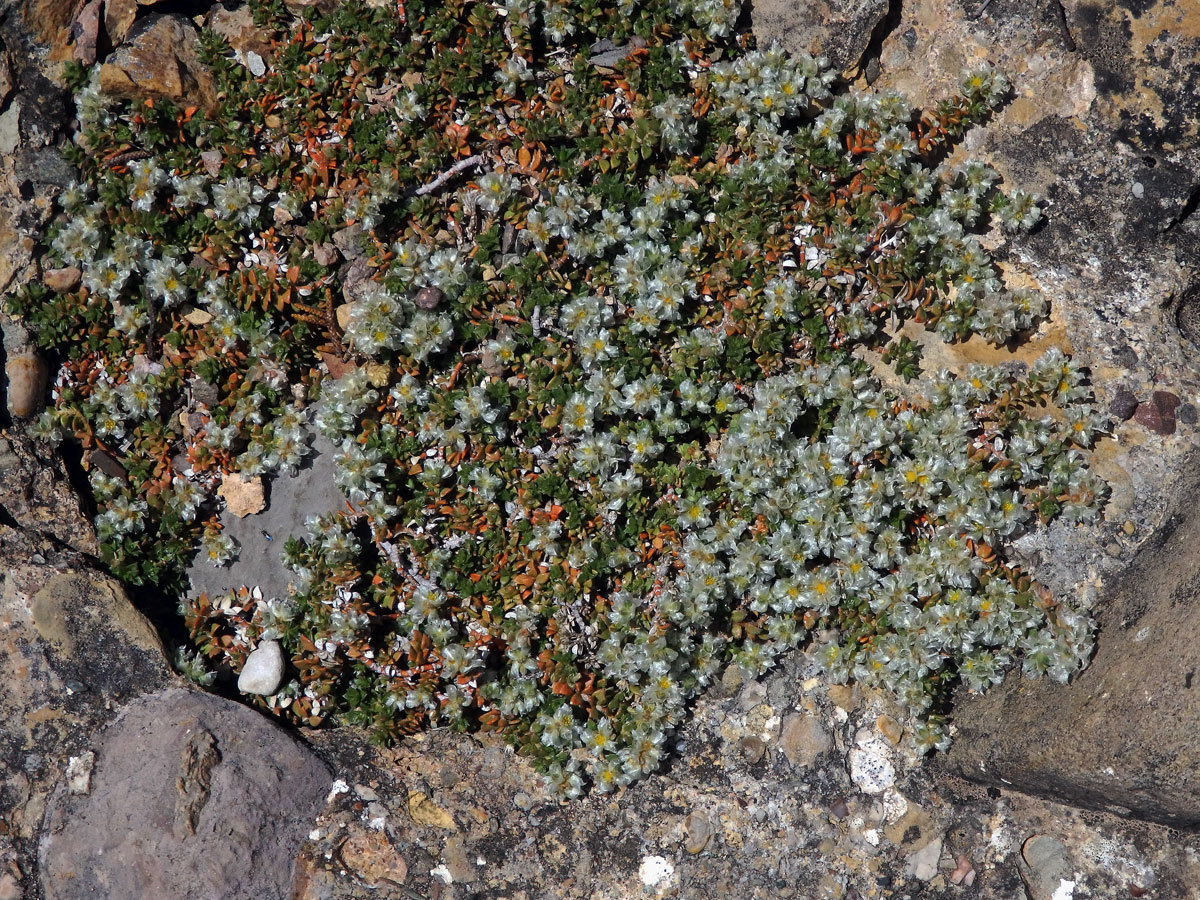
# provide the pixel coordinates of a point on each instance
(26, 375)
(263, 670)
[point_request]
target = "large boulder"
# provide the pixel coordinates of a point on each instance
(187, 796)
(1122, 737)
(159, 58)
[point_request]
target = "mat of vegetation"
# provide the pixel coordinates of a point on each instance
(576, 289)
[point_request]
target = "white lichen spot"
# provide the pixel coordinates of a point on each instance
(870, 763)
(79, 772)
(443, 874)
(654, 870)
(338, 787)
(894, 805)
(1064, 891)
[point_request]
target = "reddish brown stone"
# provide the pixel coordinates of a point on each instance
(1158, 413)
(85, 32)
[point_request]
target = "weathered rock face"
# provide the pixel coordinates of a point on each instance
(37, 496)
(1103, 122)
(160, 58)
(1122, 737)
(189, 796)
(72, 649)
(841, 30)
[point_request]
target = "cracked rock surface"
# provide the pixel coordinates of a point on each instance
(760, 798)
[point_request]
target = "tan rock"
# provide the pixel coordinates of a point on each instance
(237, 26)
(243, 496)
(802, 739)
(62, 280)
(458, 862)
(425, 812)
(371, 858)
(27, 375)
(698, 831)
(118, 19)
(161, 61)
(890, 729)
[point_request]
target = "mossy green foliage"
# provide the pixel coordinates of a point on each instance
(601, 423)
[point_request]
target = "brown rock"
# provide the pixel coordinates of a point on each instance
(428, 298)
(1123, 404)
(50, 21)
(372, 859)
(62, 280)
(752, 749)
(802, 739)
(106, 463)
(27, 374)
(237, 26)
(159, 59)
(698, 831)
(1158, 413)
(326, 254)
(118, 19)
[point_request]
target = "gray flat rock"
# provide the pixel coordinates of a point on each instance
(190, 797)
(260, 537)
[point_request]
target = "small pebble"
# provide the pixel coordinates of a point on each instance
(326, 254)
(1187, 414)
(62, 280)
(839, 808)
(752, 749)
(890, 729)
(1123, 404)
(923, 865)
(802, 739)
(428, 298)
(1049, 865)
(263, 670)
(79, 772)
(27, 375)
(964, 872)
(699, 832)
